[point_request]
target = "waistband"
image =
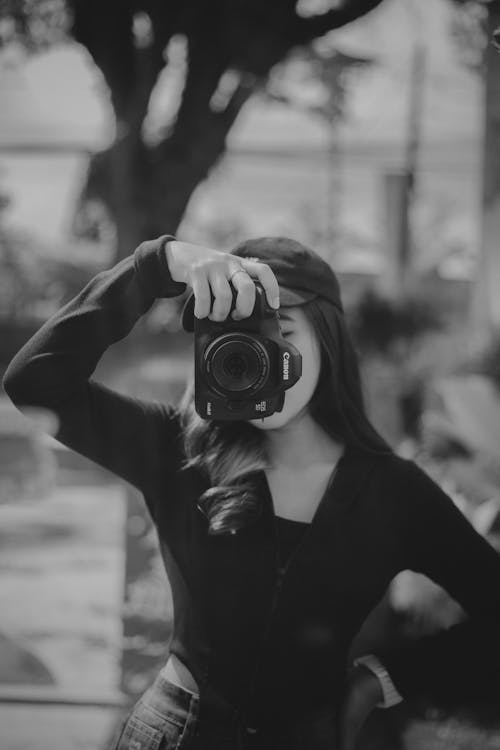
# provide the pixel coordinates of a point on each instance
(222, 724)
(167, 677)
(214, 708)
(163, 692)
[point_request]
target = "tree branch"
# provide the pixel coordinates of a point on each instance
(315, 26)
(205, 68)
(105, 29)
(238, 98)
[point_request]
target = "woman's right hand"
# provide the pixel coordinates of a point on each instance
(206, 270)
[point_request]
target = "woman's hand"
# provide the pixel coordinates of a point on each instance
(362, 694)
(206, 270)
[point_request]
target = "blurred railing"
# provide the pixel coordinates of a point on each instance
(57, 696)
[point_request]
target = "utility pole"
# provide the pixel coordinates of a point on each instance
(485, 297)
(335, 71)
(411, 159)
(399, 190)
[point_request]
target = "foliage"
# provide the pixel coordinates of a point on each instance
(380, 323)
(487, 362)
(315, 78)
(34, 24)
(23, 280)
(468, 31)
(32, 286)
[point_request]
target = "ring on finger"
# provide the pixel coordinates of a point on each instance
(242, 268)
(235, 272)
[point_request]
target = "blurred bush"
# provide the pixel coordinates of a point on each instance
(379, 323)
(33, 285)
(486, 362)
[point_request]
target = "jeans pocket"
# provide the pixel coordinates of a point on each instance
(138, 735)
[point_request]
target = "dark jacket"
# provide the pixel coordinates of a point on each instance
(381, 514)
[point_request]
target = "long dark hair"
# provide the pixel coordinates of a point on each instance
(229, 452)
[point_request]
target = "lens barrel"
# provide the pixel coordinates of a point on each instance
(236, 364)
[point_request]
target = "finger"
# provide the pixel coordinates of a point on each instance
(267, 278)
(201, 291)
(222, 293)
(245, 298)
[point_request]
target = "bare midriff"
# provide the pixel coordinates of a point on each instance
(175, 671)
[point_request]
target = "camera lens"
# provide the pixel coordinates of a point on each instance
(237, 364)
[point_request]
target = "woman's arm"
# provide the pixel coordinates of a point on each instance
(53, 370)
(461, 662)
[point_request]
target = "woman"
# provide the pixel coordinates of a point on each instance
(279, 535)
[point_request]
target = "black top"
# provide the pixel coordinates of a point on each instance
(289, 534)
(234, 611)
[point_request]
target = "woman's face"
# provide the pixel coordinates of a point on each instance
(296, 329)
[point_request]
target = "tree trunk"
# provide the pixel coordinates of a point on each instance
(147, 190)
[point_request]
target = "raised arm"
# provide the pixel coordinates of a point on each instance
(461, 662)
(128, 436)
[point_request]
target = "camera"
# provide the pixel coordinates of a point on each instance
(243, 367)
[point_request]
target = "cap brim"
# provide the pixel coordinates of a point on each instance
(288, 298)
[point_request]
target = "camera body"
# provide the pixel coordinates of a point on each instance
(243, 367)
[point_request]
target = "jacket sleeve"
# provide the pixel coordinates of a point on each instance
(128, 436)
(461, 662)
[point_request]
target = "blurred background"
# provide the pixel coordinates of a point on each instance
(370, 130)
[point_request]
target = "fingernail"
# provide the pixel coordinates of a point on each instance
(276, 302)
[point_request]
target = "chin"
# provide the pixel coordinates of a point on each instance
(276, 420)
(269, 423)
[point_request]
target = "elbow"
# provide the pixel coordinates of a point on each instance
(11, 387)
(15, 385)
(30, 404)
(32, 384)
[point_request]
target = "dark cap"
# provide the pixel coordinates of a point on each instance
(301, 273)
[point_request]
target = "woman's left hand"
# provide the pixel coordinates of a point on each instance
(363, 692)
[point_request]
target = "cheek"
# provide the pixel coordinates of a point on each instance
(310, 367)
(299, 394)
(302, 391)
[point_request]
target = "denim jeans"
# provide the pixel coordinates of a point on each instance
(163, 718)
(166, 718)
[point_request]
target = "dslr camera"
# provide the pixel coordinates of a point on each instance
(243, 367)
